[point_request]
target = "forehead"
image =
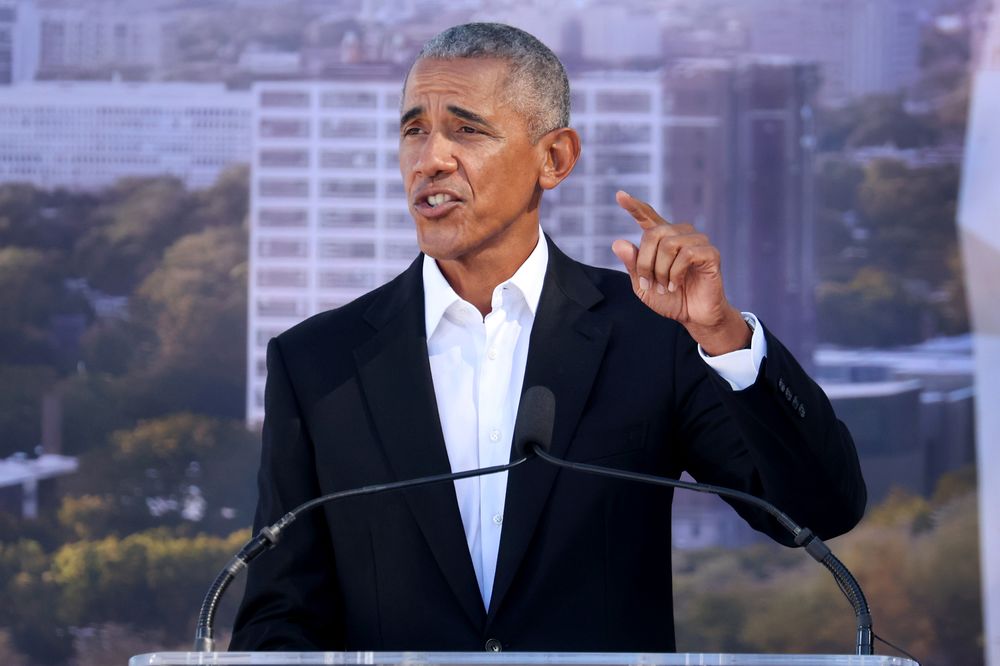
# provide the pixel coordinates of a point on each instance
(472, 82)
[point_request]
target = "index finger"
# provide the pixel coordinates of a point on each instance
(643, 213)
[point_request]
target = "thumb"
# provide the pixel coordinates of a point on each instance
(628, 253)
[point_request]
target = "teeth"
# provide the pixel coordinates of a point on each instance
(438, 199)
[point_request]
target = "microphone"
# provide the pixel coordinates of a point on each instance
(268, 537)
(534, 437)
(536, 416)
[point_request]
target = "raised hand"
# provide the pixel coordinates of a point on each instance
(677, 273)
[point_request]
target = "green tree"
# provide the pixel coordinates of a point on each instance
(30, 595)
(875, 120)
(195, 301)
(42, 219)
(150, 579)
(31, 293)
(916, 559)
(128, 231)
(21, 391)
(182, 470)
(872, 310)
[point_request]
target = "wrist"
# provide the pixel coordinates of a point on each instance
(731, 334)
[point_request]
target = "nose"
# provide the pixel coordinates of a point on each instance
(436, 156)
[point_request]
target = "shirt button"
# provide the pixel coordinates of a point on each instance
(493, 645)
(494, 435)
(497, 519)
(493, 353)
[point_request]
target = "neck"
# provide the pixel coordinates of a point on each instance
(475, 279)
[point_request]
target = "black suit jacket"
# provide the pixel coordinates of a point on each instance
(584, 562)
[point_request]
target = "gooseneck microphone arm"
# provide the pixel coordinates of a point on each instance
(804, 537)
(540, 401)
(268, 537)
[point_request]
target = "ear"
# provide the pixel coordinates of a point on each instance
(562, 150)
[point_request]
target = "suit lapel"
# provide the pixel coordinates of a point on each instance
(396, 379)
(567, 346)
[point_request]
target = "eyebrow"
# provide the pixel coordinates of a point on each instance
(457, 111)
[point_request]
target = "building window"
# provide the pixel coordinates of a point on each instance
(617, 133)
(348, 128)
(284, 99)
(343, 218)
(348, 189)
(274, 187)
(359, 279)
(396, 219)
(628, 101)
(615, 163)
(282, 218)
(280, 307)
(571, 193)
(614, 223)
(278, 248)
(395, 190)
(337, 99)
(347, 159)
(275, 128)
(284, 158)
(274, 277)
(347, 250)
(401, 250)
(571, 224)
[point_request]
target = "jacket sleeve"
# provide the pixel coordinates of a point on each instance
(292, 601)
(778, 439)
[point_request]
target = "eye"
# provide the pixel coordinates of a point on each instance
(410, 131)
(466, 129)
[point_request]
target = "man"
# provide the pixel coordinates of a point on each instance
(654, 371)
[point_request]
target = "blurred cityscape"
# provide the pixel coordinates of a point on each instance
(181, 180)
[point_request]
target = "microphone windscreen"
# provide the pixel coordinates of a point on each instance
(536, 415)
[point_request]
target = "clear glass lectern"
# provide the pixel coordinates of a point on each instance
(506, 659)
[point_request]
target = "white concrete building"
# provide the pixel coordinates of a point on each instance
(86, 135)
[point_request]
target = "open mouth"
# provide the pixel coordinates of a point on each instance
(437, 204)
(436, 200)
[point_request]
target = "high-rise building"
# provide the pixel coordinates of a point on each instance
(862, 46)
(328, 214)
(18, 41)
(723, 145)
(84, 41)
(85, 135)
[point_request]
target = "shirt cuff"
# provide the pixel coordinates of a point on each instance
(740, 367)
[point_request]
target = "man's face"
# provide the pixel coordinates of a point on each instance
(467, 160)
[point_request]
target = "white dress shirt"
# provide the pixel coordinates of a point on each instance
(477, 367)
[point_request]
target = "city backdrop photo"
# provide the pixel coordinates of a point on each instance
(182, 180)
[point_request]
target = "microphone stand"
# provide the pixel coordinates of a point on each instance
(804, 537)
(267, 538)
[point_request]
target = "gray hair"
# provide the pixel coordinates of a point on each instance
(537, 82)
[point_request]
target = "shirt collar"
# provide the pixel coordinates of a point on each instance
(439, 295)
